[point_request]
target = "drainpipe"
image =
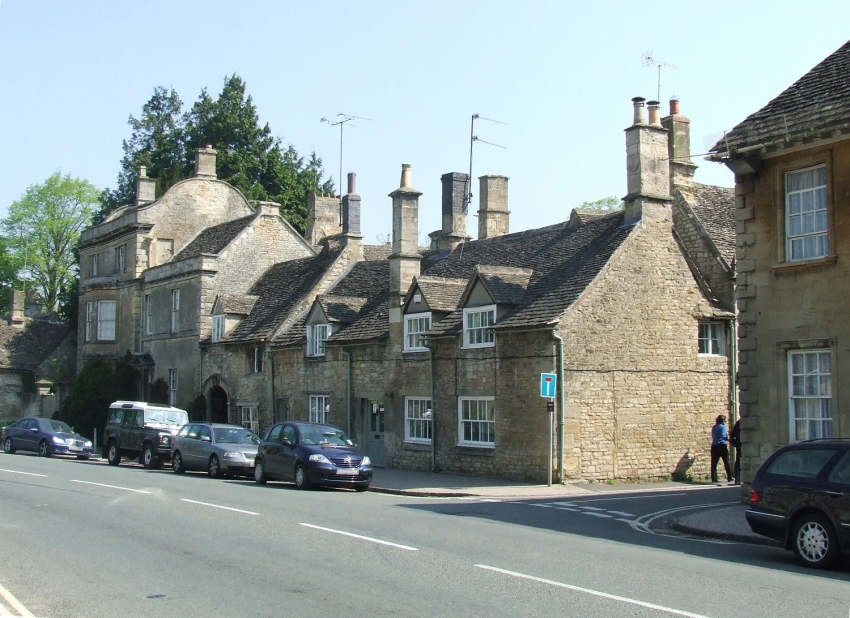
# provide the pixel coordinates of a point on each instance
(271, 388)
(427, 344)
(559, 371)
(733, 375)
(347, 387)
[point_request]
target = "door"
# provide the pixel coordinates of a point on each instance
(375, 434)
(287, 453)
(190, 448)
(271, 448)
(27, 437)
(838, 493)
(203, 447)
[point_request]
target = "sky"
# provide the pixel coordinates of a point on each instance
(559, 74)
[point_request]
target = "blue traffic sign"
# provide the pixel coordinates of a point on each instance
(547, 384)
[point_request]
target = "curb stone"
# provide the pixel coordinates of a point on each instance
(728, 536)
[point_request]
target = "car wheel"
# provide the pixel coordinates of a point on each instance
(177, 463)
(260, 473)
(301, 481)
(815, 544)
(44, 449)
(8, 447)
(361, 487)
(215, 467)
(149, 458)
(113, 454)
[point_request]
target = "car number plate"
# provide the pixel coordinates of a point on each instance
(348, 471)
(74, 447)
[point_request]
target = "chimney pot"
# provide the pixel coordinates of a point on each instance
(205, 162)
(143, 171)
(352, 178)
(639, 110)
(674, 105)
(145, 187)
(405, 176)
(654, 113)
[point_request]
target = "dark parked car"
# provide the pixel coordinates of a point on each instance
(311, 454)
(47, 437)
(143, 430)
(801, 497)
(219, 449)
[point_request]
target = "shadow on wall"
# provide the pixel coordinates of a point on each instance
(682, 470)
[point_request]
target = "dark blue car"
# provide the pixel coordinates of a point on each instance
(311, 454)
(45, 436)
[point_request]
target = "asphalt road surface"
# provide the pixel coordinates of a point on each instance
(86, 539)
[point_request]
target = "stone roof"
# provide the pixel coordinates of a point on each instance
(377, 252)
(238, 304)
(506, 285)
(815, 105)
(213, 240)
(441, 293)
(341, 309)
(715, 209)
(25, 347)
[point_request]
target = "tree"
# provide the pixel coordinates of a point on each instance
(606, 204)
(43, 228)
(10, 266)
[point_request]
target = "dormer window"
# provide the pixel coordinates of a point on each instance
(317, 334)
(414, 325)
(218, 328)
(478, 327)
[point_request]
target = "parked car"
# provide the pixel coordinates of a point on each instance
(801, 497)
(218, 448)
(311, 454)
(47, 437)
(143, 430)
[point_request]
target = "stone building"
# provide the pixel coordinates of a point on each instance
(432, 358)
(792, 195)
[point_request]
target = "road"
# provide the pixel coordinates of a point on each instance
(86, 539)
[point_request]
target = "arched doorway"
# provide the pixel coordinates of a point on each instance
(218, 405)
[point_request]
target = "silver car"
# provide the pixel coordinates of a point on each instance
(218, 448)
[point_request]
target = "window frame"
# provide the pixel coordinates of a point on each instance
(218, 326)
(408, 319)
(315, 414)
(467, 332)
(175, 310)
(793, 417)
(720, 338)
(101, 322)
(148, 314)
(786, 174)
(461, 441)
(253, 422)
(121, 258)
(173, 385)
(422, 421)
(313, 341)
(94, 266)
(255, 360)
(89, 316)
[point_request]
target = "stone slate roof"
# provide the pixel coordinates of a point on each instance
(341, 309)
(213, 240)
(441, 293)
(377, 252)
(505, 285)
(238, 304)
(25, 347)
(715, 208)
(813, 106)
(280, 288)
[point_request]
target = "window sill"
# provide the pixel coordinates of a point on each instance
(477, 451)
(414, 351)
(795, 267)
(478, 346)
(416, 446)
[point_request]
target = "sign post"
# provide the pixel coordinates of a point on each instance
(548, 383)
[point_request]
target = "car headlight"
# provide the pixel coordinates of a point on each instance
(233, 455)
(319, 458)
(366, 461)
(58, 440)
(88, 444)
(164, 439)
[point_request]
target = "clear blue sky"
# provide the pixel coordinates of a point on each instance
(561, 74)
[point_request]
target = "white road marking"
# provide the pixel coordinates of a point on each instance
(566, 508)
(591, 508)
(597, 593)
(138, 491)
(490, 500)
(544, 506)
(596, 514)
(621, 513)
(218, 506)
(362, 538)
(641, 524)
(27, 473)
(562, 503)
(667, 495)
(19, 607)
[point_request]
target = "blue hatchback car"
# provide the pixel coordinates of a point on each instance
(47, 437)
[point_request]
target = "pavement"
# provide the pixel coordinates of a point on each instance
(725, 522)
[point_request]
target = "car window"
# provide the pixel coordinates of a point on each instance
(801, 463)
(194, 431)
(140, 419)
(289, 433)
(841, 472)
(235, 435)
(205, 432)
(274, 434)
(30, 424)
(115, 417)
(183, 431)
(60, 426)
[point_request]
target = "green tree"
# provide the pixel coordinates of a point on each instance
(43, 228)
(606, 204)
(10, 266)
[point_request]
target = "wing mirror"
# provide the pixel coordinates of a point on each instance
(34, 429)
(286, 442)
(206, 439)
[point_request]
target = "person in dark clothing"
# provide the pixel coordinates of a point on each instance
(735, 441)
(720, 448)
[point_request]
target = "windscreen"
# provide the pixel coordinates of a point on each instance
(154, 416)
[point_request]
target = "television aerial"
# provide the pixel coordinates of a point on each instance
(648, 60)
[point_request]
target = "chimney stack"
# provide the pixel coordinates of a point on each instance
(351, 208)
(32, 307)
(493, 213)
(268, 209)
(405, 258)
(145, 187)
(16, 315)
(205, 162)
(647, 168)
(455, 192)
(679, 147)
(322, 217)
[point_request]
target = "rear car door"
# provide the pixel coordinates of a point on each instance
(27, 436)
(271, 448)
(792, 478)
(203, 446)
(837, 495)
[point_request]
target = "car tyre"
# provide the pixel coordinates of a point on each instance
(214, 468)
(260, 473)
(301, 481)
(814, 542)
(113, 454)
(8, 447)
(177, 463)
(43, 449)
(149, 458)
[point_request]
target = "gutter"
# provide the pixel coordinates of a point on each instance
(347, 387)
(426, 344)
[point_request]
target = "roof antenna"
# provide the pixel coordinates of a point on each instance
(472, 139)
(648, 60)
(341, 124)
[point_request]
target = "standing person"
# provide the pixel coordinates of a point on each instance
(720, 448)
(735, 441)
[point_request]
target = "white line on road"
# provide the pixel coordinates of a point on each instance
(363, 538)
(19, 607)
(621, 513)
(668, 495)
(543, 506)
(138, 491)
(566, 508)
(596, 514)
(218, 506)
(27, 473)
(591, 508)
(604, 595)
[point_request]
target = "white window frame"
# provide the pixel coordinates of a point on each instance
(489, 404)
(418, 415)
(810, 394)
(811, 225)
(317, 334)
(104, 333)
(319, 406)
(413, 329)
(173, 384)
(255, 359)
(93, 265)
(89, 316)
(711, 339)
(148, 314)
(485, 333)
(250, 418)
(175, 310)
(218, 325)
(120, 258)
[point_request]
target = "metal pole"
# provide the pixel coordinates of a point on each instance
(551, 437)
(341, 125)
(469, 180)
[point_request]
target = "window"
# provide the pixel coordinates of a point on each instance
(477, 421)
(106, 320)
(93, 266)
(89, 315)
(810, 394)
(288, 434)
(806, 235)
(249, 418)
(166, 249)
(802, 463)
(478, 327)
(274, 433)
(319, 407)
(148, 315)
(316, 336)
(417, 420)
(120, 258)
(841, 472)
(175, 310)
(414, 325)
(218, 328)
(711, 340)
(172, 387)
(255, 360)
